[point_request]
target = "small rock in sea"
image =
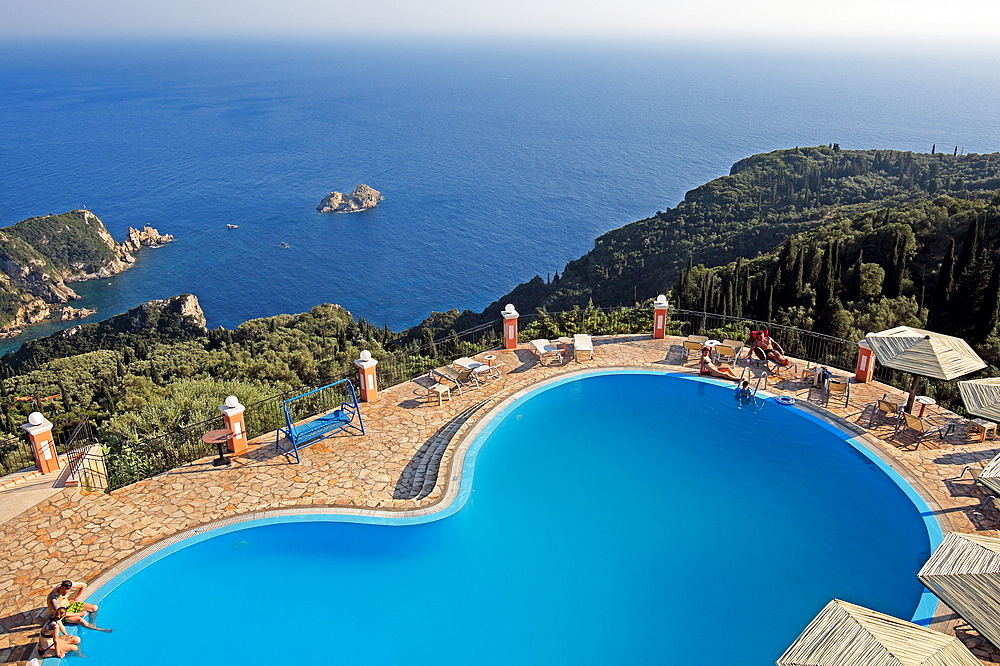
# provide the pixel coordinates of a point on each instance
(362, 198)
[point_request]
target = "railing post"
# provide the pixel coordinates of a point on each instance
(661, 310)
(866, 363)
(232, 417)
(39, 431)
(366, 376)
(510, 316)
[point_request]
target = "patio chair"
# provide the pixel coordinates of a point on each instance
(700, 339)
(991, 502)
(838, 385)
(480, 371)
(974, 471)
(583, 343)
(885, 409)
(693, 347)
(736, 345)
(922, 427)
(462, 379)
(546, 350)
(726, 353)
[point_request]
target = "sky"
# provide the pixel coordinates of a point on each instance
(969, 24)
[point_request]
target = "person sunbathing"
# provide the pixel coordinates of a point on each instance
(768, 349)
(66, 595)
(53, 641)
(713, 370)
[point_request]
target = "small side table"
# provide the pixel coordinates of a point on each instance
(490, 358)
(983, 427)
(218, 437)
(924, 401)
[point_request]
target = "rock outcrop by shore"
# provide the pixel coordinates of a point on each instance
(362, 198)
(40, 255)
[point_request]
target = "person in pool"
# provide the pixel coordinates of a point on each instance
(744, 391)
(711, 369)
(66, 595)
(53, 641)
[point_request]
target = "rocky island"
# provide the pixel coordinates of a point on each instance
(362, 198)
(40, 255)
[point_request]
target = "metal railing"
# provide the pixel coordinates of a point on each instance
(15, 454)
(142, 459)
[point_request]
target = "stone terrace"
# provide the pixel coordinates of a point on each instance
(403, 463)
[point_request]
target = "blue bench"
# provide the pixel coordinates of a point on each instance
(304, 433)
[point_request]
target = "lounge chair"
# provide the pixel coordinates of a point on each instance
(975, 471)
(923, 427)
(736, 345)
(583, 343)
(838, 385)
(693, 348)
(886, 409)
(725, 353)
(991, 501)
(546, 350)
(462, 379)
(479, 370)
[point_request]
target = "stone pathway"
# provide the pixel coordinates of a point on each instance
(402, 463)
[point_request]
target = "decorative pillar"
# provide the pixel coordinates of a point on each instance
(39, 431)
(232, 416)
(510, 316)
(866, 363)
(661, 310)
(366, 376)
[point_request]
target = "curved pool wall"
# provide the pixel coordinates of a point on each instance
(461, 490)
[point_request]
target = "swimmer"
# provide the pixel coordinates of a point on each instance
(66, 595)
(744, 391)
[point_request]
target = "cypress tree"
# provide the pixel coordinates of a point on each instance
(945, 280)
(988, 314)
(970, 248)
(854, 293)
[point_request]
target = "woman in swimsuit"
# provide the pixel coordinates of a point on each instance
(53, 641)
(709, 368)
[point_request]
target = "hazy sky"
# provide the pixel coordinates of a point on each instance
(971, 23)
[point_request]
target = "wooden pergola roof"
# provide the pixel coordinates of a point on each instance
(844, 634)
(964, 572)
(924, 352)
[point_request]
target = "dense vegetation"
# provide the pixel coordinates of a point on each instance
(765, 199)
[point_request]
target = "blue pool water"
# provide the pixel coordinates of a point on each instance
(631, 518)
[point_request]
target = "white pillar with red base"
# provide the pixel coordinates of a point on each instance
(366, 376)
(510, 316)
(661, 312)
(233, 418)
(39, 431)
(866, 363)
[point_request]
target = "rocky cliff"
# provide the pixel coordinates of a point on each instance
(362, 198)
(38, 256)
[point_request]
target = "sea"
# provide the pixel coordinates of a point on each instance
(497, 160)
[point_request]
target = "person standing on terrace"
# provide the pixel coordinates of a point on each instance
(65, 595)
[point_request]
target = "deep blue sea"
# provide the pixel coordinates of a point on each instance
(497, 161)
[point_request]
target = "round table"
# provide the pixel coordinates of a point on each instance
(489, 358)
(712, 343)
(924, 401)
(218, 437)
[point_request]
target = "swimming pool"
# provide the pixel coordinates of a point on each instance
(613, 518)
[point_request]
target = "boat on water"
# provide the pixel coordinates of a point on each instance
(284, 244)
(233, 226)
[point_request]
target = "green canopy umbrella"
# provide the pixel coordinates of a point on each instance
(923, 353)
(981, 397)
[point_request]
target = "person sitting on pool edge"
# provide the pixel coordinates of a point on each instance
(53, 641)
(709, 368)
(768, 349)
(66, 595)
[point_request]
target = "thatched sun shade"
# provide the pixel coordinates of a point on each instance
(844, 634)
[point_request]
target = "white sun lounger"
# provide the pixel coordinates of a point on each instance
(583, 343)
(545, 350)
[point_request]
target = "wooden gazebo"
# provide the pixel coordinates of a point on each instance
(844, 634)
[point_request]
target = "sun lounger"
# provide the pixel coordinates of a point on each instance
(462, 379)
(583, 343)
(547, 351)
